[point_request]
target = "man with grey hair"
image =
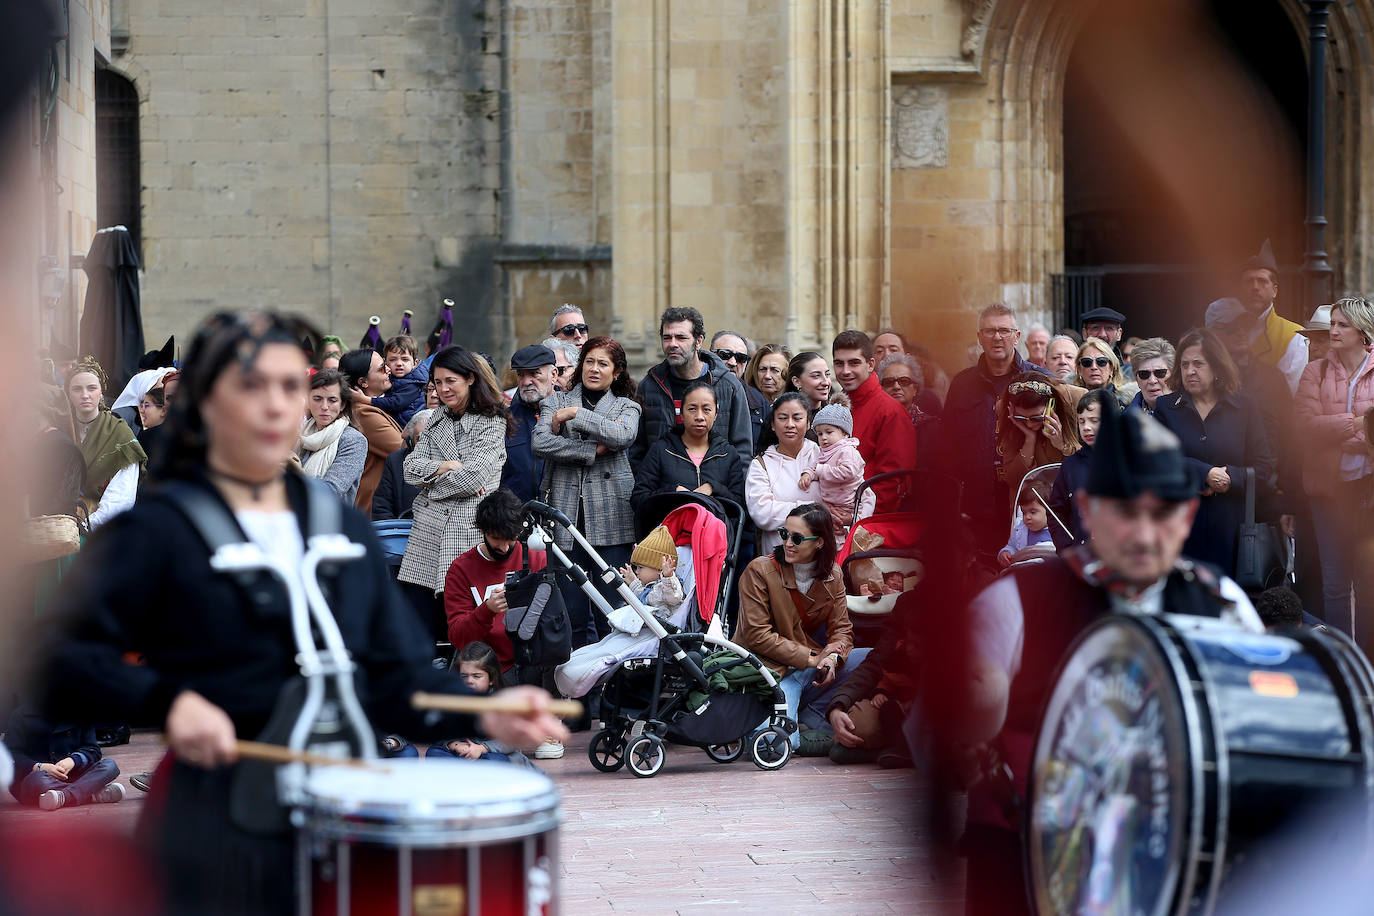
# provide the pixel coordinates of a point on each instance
(568, 324)
(533, 367)
(1037, 344)
(565, 354)
(969, 428)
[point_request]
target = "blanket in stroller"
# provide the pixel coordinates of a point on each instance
(744, 678)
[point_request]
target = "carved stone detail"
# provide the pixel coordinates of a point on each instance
(920, 127)
(977, 14)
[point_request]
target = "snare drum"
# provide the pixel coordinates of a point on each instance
(1171, 748)
(429, 838)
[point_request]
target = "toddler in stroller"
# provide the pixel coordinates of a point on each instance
(676, 683)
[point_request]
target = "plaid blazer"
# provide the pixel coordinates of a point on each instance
(577, 478)
(444, 510)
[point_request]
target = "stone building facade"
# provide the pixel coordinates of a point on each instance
(789, 168)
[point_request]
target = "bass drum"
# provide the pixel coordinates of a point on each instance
(1172, 748)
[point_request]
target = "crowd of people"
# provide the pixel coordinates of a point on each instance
(1263, 407)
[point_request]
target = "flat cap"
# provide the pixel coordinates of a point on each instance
(1102, 314)
(532, 357)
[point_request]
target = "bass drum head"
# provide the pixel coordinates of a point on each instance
(1116, 787)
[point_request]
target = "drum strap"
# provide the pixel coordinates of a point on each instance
(217, 526)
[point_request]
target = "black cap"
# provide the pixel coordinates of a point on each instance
(533, 357)
(158, 359)
(1102, 314)
(1264, 260)
(1133, 454)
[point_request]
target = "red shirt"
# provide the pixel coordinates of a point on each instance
(468, 619)
(887, 440)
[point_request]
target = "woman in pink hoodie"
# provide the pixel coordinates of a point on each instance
(1333, 395)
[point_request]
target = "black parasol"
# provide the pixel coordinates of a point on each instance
(111, 322)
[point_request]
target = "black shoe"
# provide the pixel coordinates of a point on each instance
(111, 735)
(141, 781)
(849, 756)
(816, 742)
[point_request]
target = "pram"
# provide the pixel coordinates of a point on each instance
(645, 698)
(1042, 479)
(889, 544)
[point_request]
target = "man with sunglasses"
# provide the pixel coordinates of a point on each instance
(568, 323)
(1139, 501)
(734, 351)
(682, 331)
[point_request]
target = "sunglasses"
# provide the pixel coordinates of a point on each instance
(570, 330)
(1038, 418)
(1160, 374)
(796, 539)
(903, 381)
(733, 356)
(1087, 362)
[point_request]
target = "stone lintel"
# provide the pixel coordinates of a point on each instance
(514, 253)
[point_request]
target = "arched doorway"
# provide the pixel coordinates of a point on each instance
(117, 179)
(1122, 241)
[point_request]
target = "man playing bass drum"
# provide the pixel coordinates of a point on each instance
(1139, 503)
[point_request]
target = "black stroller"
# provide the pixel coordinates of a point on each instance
(682, 691)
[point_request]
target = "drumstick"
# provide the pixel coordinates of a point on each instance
(276, 753)
(444, 702)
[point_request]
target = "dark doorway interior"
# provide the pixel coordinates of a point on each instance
(117, 181)
(1119, 214)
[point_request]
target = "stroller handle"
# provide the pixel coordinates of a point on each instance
(535, 507)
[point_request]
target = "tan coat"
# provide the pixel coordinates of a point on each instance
(383, 437)
(770, 625)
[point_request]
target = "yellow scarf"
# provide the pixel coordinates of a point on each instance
(1274, 338)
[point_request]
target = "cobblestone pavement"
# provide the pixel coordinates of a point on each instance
(700, 837)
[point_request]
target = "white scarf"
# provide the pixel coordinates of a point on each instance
(320, 446)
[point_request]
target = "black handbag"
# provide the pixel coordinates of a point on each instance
(1260, 560)
(536, 618)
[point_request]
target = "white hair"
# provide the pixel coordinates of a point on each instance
(566, 347)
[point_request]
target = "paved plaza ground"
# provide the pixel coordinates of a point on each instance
(700, 837)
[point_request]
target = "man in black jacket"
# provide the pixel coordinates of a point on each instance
(682, 332)
(970, 427)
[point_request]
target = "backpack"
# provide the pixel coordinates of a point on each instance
(536, 618)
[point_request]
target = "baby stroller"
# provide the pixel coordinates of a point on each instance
(681, 689)
(1042, 480)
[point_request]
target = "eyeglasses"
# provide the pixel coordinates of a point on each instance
(998, 332)
(148, 405)
(1160, 374)
(1087, 362)
(560, 371)
(572, 330)
(796, 539)
(902, 381)
(733, 356)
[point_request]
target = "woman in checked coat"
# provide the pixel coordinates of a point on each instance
(455, 463)
(582, 435)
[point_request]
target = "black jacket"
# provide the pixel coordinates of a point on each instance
(666, 467)
(660, 415)
(227, 638)
(32, 738)
(393, 496)
(1072, 477)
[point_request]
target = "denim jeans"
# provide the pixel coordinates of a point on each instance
(441, 752)
(806, 702)
(1343, 532)
(79, 791)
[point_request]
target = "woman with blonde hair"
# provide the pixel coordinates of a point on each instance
(1099, 367)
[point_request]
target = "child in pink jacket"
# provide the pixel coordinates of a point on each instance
(840, 468)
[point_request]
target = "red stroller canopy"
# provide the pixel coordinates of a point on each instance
(697, 527)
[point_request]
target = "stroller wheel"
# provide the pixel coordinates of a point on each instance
(645, 755)
(726, 753)
(607, 751)
(770, 749)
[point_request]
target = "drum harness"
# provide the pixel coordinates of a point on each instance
(326, 671)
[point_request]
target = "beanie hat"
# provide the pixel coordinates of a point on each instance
(835, 415)
(655, 549)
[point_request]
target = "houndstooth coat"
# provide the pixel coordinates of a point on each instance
(576, 477)
(446, 505)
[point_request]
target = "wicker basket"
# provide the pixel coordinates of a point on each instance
(47, 537)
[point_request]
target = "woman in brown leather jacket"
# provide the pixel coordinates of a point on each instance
(792, 615)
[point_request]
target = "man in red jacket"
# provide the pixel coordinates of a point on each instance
(474, 589)
(886, 437)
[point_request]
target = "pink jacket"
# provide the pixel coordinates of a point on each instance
(839, 470)
(1328, 429)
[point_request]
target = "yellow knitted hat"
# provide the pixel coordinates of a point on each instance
(655, 548)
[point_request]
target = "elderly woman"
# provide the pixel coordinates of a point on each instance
(1099, 367)
(809, 373)
(331, 448)
(217, 647)
(793, 616)
(394, 496)
(1152, 362)
(455, 463)
(1335, 392)
(114, 459)
(773, 487)
(767, 374)
(1222, 433)
(582, 435)
(1037, 424)
(902, 377)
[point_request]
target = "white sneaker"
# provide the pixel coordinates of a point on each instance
(52, 799)
(114, 792)
(549, 750)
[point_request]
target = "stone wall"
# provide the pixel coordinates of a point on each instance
(337, 158)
